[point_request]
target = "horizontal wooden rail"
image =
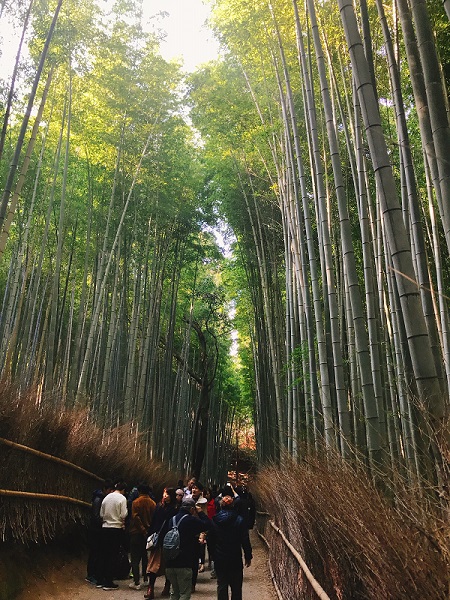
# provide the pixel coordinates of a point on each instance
(272, 574)
(38, 496)
(50, 457)
(314, 583)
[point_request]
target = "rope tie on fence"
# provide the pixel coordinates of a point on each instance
(38, 496)
(50, 457)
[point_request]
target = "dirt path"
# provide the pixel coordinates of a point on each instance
(66, 581)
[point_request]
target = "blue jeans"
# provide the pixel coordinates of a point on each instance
(181, 580)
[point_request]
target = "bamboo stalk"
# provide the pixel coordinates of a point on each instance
(60, 461)
(38, 496)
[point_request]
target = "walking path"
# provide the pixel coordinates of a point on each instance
(67, 581)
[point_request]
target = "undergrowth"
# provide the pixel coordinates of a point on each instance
(358, 543)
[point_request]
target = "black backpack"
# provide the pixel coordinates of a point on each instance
(171, 542)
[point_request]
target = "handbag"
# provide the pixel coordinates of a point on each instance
(152, 540)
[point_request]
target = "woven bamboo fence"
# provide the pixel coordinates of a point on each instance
(52, 459)
(284, 558)
(40, 495)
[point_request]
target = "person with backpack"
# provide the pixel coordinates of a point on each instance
(228, 537)
(165, 510)
(180, 543)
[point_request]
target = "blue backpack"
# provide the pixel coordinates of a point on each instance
(171, 541)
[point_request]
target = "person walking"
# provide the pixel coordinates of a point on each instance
(164, 511)
(202, 503)
(197, 495)
(188, 488)
(228, 537)
(95, 533)
(179, 493)
(191, 521)
(211, 511)
(113, 512)
(142, 510)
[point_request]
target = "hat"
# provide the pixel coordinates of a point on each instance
(227, 501)
(179, 492)
(188, 503)
(202, 500)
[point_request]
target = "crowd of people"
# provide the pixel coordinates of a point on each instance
(208, 529)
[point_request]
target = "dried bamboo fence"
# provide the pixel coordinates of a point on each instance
(288, 559)
(56, 496)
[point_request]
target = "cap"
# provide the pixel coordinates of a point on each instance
(188, 503)
(179, 492)
(202, 500)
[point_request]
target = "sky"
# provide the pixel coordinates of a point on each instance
(187, 37)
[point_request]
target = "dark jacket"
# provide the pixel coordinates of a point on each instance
(228, 537)
(95, 522)
(189, 529)
(161, 514)
(247, 509)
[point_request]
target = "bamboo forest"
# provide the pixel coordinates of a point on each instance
(251, 257)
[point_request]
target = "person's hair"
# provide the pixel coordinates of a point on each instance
(143, 488)
(120, 485)
(199, 486)
(171, 492)
(227, 491)
(108, 484)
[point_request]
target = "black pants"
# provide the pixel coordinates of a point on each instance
(195, 559)
(94, 558)
(229, 575)
(111, 541)
(138, 555)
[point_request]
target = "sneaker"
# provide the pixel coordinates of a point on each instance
(111, 586)
(135, 586)
(213, 575)
(99, 585)
(91, 580)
